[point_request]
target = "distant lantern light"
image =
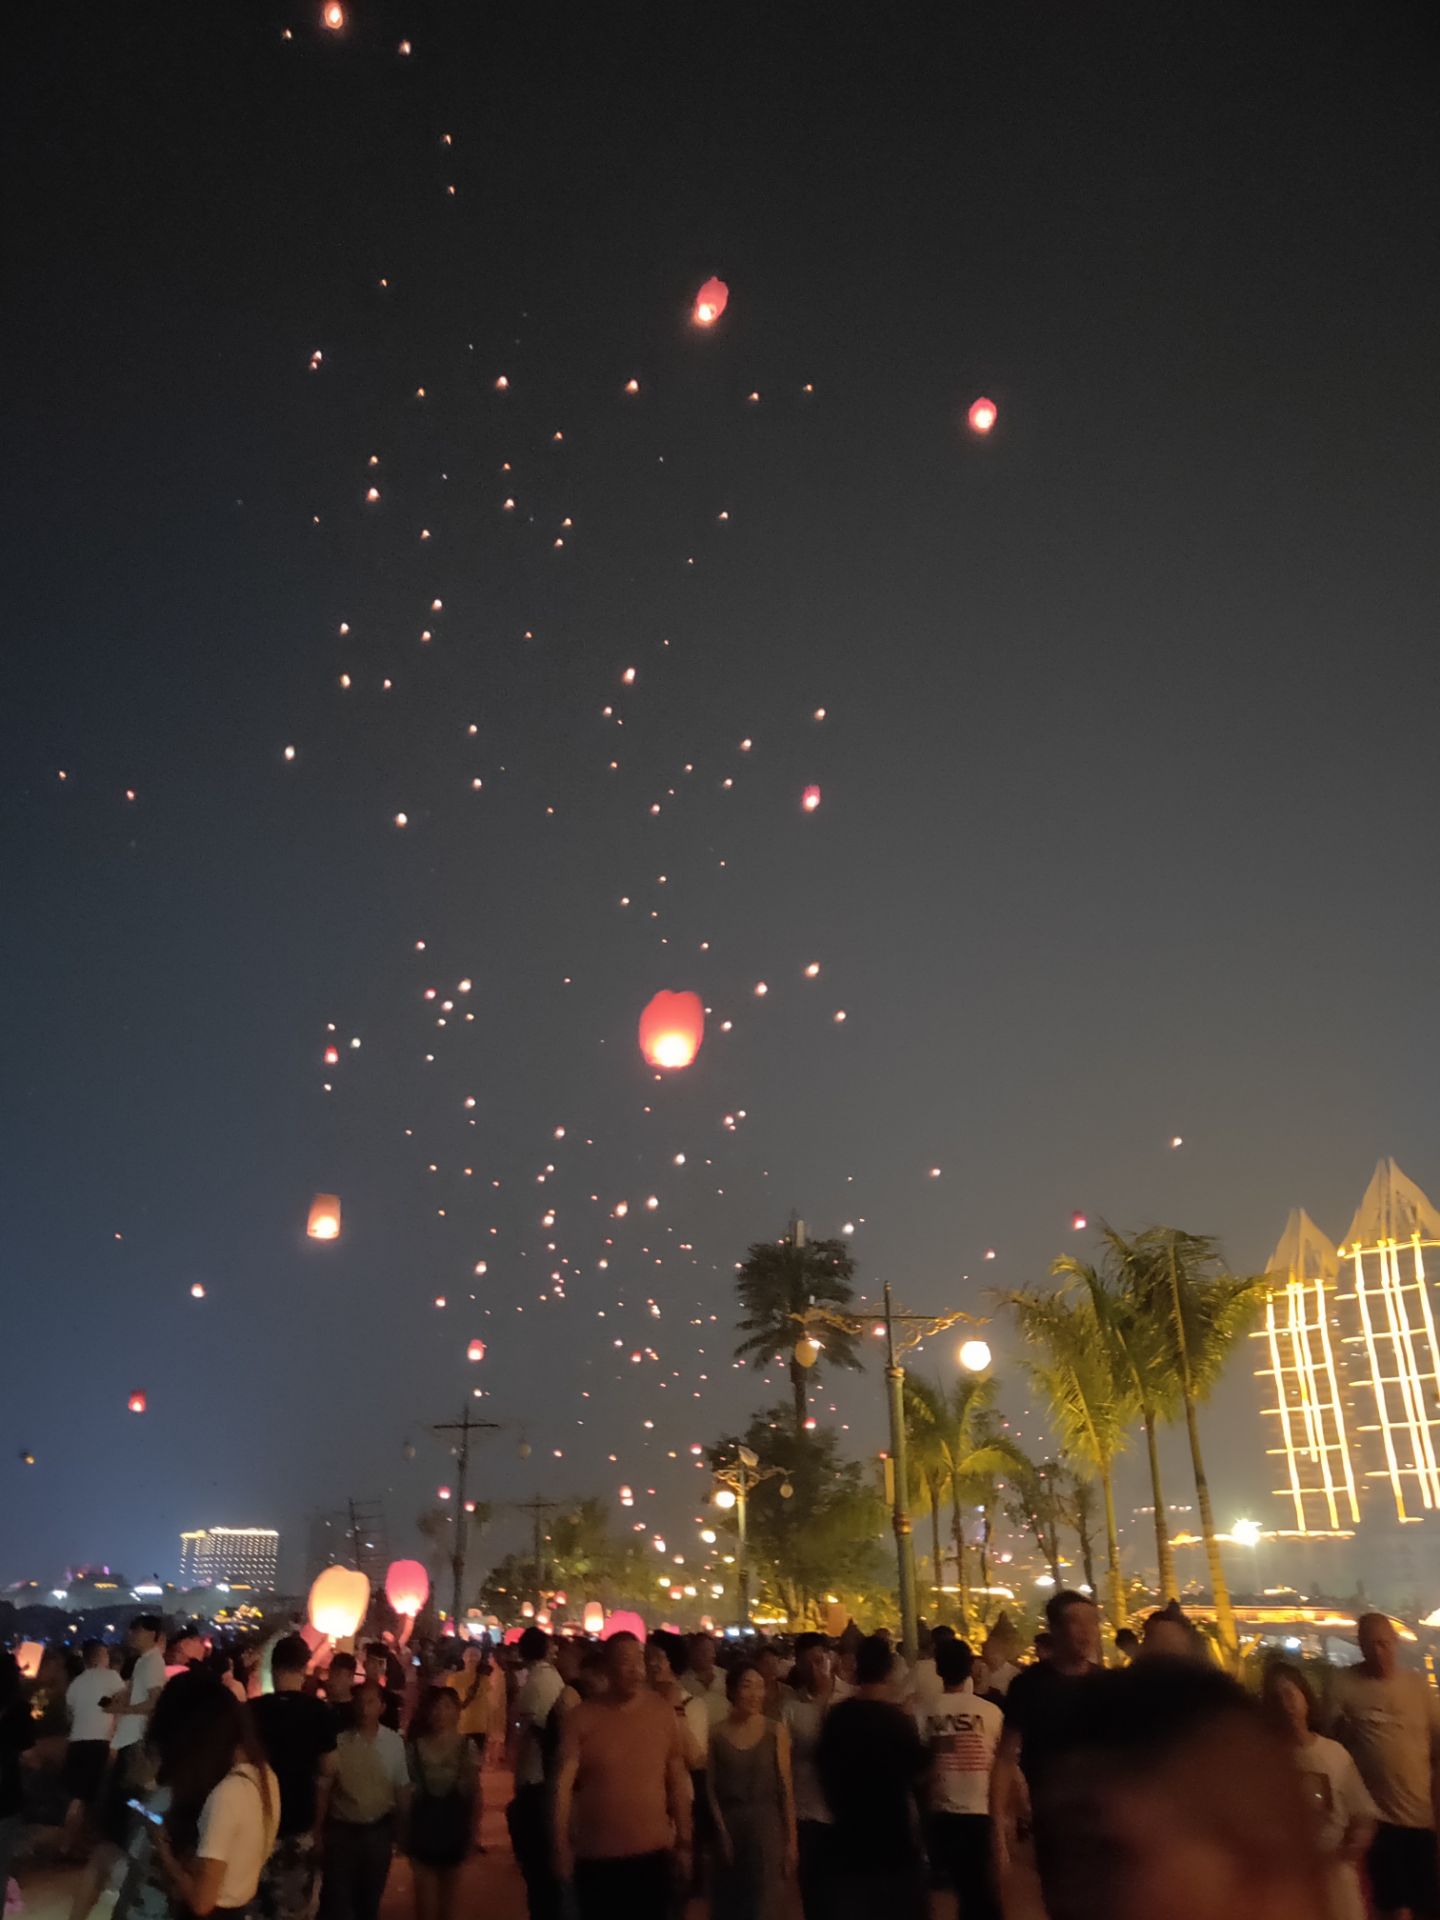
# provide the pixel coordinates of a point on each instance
(333, 15)
(324, 1221)
(710, 302)
(671, 1029)
(593, 1618)
(1176, 1141)
(339, 1600)
(197, 1291)
(136, 1403)
(810, 799)
(1078, 1222)
(332, 1056)
(974, 1355)
(407, 1587)
(982, 415)
(475, 1350)
(442, 1493)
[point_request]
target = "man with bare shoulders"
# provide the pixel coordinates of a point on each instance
(622, 1796)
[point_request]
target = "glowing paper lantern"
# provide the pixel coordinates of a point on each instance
(710, 302)
(982, 415)
(593, 1618)
(407, 1586)
(324, 1221)
(333, 15)
(136, 1403)
(339, 1600)
(623, 1622)
(671, 1029)
(1079, 1222)
(810, 799)
(28, 1656)
(475, 1350)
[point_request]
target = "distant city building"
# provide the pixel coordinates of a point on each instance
(1354, 1363)
(233, 1556)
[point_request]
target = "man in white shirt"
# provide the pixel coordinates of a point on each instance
(132, 1705)
(528, 1815)
(815, 1688)
(961, 1733)
(369, 1806)
(1390, 1721)
(703, 1680)
(92, 1727)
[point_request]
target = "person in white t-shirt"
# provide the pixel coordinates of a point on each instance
(132, 1704)
(1345, 1814)
(224, 1797)
(92, 1726)
(961, 1733)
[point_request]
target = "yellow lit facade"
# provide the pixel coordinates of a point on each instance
(238, 1556)
(1351, 1355)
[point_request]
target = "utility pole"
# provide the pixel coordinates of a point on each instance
(464, 1426)
(900, 1504)
(537, 1509)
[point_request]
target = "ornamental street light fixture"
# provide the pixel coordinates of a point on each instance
(736, 1481)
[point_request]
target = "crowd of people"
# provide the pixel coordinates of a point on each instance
(830, 1780)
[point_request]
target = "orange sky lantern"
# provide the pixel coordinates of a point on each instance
(407, 1587)
(982, 415)
(339, 1600)
(136, 1403)
(710, 302)
(671, 1029)
(810, 799)
(324, 1221)
(475, 1350)
(332, 15)
(593, 1618)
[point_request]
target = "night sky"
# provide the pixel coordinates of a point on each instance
(1127, 770)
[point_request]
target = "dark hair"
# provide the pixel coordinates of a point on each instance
(10, 1689)
(939, 1634)
(805, 1642)
(874, 1661)
(1044, 1640)
(621, 1639)
(954, 1662)
(147, 1623)
(1059, 1604)
(422, 1721)
(736, 1674)
(534, 1645)
(290, 1655)
(1270, 1680)
(1125, 1638)
(89, 1649)
(196, 1730)
(345, 1662)
(696, 1638)
(670, 1644)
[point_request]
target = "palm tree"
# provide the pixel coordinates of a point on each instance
(1204, 1310)
(957, 1432)
(1139, 1353)
(776, 1285)
(923, 1419)
(1073, 1366)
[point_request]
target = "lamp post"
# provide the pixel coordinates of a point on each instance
(738, 1480)
(914, 1328)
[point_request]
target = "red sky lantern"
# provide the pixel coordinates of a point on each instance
(982, 415)
(333, 15)
(136, 1403)
(407, 1587)
(332, 1056)
(810, 799)
(710, 302)
(475, 1350)
(623, 1621)
(1078, 1222)
(324, 1221)
(671, 1029)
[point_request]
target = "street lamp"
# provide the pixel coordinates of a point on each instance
(974, 1355)
(737, 1481)
(914, 1329)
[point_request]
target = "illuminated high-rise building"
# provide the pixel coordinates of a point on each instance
(234, 1556)
(1353, 1360)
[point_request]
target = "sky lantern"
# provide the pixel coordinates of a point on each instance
(810, 799)
(475, 1350)
(28, 1656)
(593, 1618)
(623, 1622)
(339, 1600)
(982, 415)
(710, 302)
(136, 1403)
(332, 14)
(407, 1587)
(324, 1221)
(1078, 1222)
(671, 1029)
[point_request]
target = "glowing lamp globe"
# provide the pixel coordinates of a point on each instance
(136, 1403)
(339, 1599)
(623, 1622)
(1246, 1533)
(724, 1497)
(324, 1221)
(982, 415)
(593, 1618)
(710, 302)
(407, 1586)
(671, 1029)
(807, 1351)
(974, 1355)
